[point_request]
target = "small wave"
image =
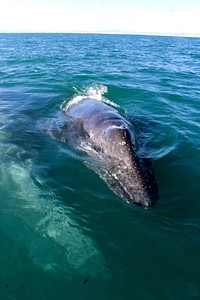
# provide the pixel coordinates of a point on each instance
(95, 91)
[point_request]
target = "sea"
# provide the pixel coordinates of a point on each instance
(63, 233)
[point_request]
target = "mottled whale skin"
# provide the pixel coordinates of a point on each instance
(112, 143)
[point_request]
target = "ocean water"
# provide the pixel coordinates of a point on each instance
(64, 234)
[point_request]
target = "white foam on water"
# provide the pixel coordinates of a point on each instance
(95, 92)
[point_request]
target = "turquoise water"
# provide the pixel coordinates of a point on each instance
(64, 234)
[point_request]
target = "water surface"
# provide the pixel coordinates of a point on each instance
(64, 234)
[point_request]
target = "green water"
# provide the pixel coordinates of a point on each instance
(63, 233)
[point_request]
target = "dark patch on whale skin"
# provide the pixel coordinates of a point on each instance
(112, 139)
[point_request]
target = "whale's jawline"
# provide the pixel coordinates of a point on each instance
(124, 184)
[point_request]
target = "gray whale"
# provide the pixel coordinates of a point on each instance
(106, 136)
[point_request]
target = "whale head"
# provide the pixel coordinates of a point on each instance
(129, 176)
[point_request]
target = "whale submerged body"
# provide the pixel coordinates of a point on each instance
(100, 131)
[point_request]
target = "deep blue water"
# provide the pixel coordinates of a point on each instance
(63, 233)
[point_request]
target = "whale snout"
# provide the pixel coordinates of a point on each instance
(145, 190)
(140, 195)
(146, 200)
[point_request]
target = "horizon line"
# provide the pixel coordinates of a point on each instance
(116, 32)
